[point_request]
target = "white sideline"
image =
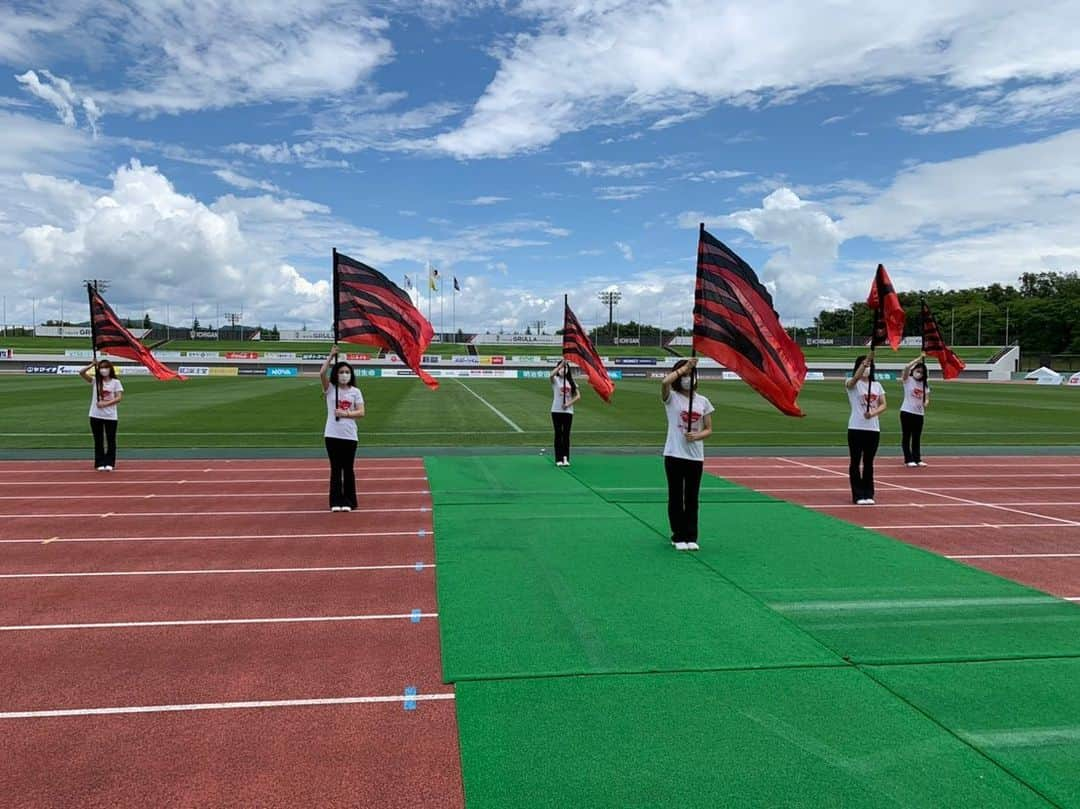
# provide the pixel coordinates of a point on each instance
(494, 409)
(220, 621)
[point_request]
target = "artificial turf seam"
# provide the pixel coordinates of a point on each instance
(862, 670)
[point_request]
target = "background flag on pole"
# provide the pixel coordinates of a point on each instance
(433, 279)
(932, 344)
(888, 313)
(456, 287)
(370, 309)
(408, 282)
(110, 336)
(736, 325)
(578, 349)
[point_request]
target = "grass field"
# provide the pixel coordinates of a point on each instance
(51, 413)
(57, 345)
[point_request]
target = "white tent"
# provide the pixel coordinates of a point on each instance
(1045, 376)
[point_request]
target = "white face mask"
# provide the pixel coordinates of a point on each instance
(343, 378)
(105, 372)
(918, 375)
(866, 373)
(684, 383)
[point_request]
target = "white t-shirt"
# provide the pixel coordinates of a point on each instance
(857, 395)
(348, 399)
(560, 387)
(110, 387)
(913, 396)
(677, 407)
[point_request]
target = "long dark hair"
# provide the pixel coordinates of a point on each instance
(98, 380)
(568, 375)
(693, 374)
(337, 367)
(859, 361)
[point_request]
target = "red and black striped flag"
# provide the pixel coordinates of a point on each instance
(578, 349)
(932, 344)
(736, 325)
(888, 313)
(110, 336)
(371, 309)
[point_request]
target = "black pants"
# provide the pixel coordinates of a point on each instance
(862, 447)
(911, 425)
(562, 422)
(683, 486)
(104, 431)
(342, 453)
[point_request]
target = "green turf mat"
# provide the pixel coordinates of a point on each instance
(1023, 714)
(580, 587)
(872, 598)
(779, 738)
(641, 480)
(502, 479)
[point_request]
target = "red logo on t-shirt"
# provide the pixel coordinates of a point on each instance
(684, 416)
(917, 392)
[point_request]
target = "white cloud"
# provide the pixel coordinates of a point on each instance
(623, 192)
(483, 201)
(712, 176)
(606, 63)
(626, 250)
(1030, 105)
(245, 183)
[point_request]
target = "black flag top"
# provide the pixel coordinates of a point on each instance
(578, 349)
(109, 335)
(736, 325)
(934, 345)
(371, 309)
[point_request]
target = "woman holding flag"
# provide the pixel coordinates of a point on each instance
(105, 396)
(344, 404)
(564, 394)
(689, 424)
(913, 410)
(867, 399)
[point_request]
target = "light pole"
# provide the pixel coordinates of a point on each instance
(610, 298)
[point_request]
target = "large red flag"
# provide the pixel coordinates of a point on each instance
(111, 337)
(888, 313)
(736, 325)
(932, 344)
(578, 349)
(371, 309)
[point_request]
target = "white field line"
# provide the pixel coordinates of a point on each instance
(1013, 556)
(419, 532)
(201, 496)
(950, 497)
(995, 526)
(903, 604)
(222, 706)
(492, 407)
(416, 566)
(220, 621)
(943, 505)
(263, 512)
(111, 480)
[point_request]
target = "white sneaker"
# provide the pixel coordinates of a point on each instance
(346, 508)
(561, 463)
(565, 461)
(100, 468)
(335, 508)
(911, 463)
(108, 468)
(693, 546)
(682, 546)
(862, 502)
(869, 501)
(921, 463)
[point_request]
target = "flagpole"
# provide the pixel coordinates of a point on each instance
(93, 328)
(334, 282)
(693, 351)
(566, 305)
(453, 311)
(429, 291)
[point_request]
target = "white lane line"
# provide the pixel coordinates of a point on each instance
(871, 605)
(223, 706)
(951, 497)
(302, 465)
(900, 475)
(944, 505)
(891, 527)
(221, 621)
(111, 482)
(264, 512)
(1013, 556)
(203, 496)
(492, 407)
(419, 532)
(812, 489)
(416, 566)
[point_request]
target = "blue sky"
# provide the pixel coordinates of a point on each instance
(213, 153)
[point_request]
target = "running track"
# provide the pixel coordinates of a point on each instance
(1017, 517)
(206, 633)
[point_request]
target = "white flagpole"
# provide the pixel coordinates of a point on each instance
(453, 313)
